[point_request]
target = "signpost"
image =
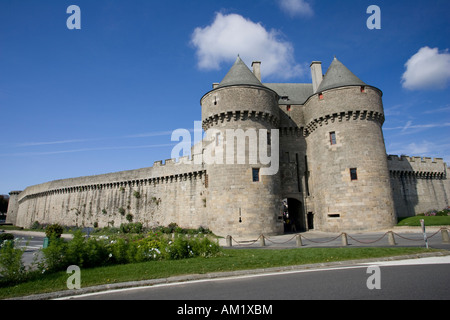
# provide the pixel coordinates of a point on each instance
(422, 223)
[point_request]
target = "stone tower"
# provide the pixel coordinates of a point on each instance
(346, 154)
(238, 116)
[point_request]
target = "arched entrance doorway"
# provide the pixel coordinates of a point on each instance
(293, 216)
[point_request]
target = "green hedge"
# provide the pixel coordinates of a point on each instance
(106, 250)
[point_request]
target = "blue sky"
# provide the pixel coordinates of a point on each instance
(106, 97)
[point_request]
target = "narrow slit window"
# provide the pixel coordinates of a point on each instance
(353, 174)
(255, 173)
(363, 89)
(269, 138)
(321, 96)
(288, 107)
(217, 139)
(333, 138)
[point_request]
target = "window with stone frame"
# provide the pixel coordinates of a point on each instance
(255, 174)
(353, 174)
(332, 138)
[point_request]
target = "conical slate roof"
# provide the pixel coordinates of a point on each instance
(338, 75)
(240, 74)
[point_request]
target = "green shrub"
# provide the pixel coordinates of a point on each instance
(148, 249)
(131, 227)
(12, 268)
(54, 256)
(125, 248)
(205, 247)
(6, 236)
(36, 226)
(54, 231)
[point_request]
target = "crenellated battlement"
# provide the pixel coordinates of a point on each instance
(171, 171)
(368, 115)
(418, 166)
(227, 116)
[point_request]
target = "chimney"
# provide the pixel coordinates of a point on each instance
(316, 74)
(256, 65)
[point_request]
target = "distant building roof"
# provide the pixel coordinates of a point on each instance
(337, 76)
(292, 93)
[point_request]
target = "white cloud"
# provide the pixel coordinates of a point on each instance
(427, 69)
(296, 8)
(232, 34)
(409, 126)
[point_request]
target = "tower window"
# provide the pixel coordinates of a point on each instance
(333, 138)
(321, 96)
(255, 174)
(363, 89)
(217, 139)
(353, 174)
(288, 107)
(269, 138)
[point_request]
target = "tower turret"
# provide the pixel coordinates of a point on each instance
(346, 154)
(240, 117)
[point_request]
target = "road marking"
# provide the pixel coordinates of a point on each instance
(410, 262)
(433, 260)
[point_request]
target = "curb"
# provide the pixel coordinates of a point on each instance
(215, 275)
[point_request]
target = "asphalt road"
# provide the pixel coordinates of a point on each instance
(416, 279)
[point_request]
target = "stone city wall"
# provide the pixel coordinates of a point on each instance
(159, 195)
(419, 184)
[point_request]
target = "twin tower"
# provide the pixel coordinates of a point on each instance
(328, 166)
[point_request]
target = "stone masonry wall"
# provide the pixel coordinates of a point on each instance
(162, 194)
(418, 184)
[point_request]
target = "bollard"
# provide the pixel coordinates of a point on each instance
(391, 238)
(344, 240)
(229, 244)
(299, 240)
(262, 241)
(445, 238)
(46, 242)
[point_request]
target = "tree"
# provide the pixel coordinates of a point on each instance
(4, 200)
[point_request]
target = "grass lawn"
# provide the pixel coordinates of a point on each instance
(231, 259)
(429, 221)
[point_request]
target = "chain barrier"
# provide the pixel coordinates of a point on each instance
(322, 241)
(367, 242)
(241, 243)
(279, 242)
(252, 242)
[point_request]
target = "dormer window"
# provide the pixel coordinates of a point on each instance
(285, 98)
